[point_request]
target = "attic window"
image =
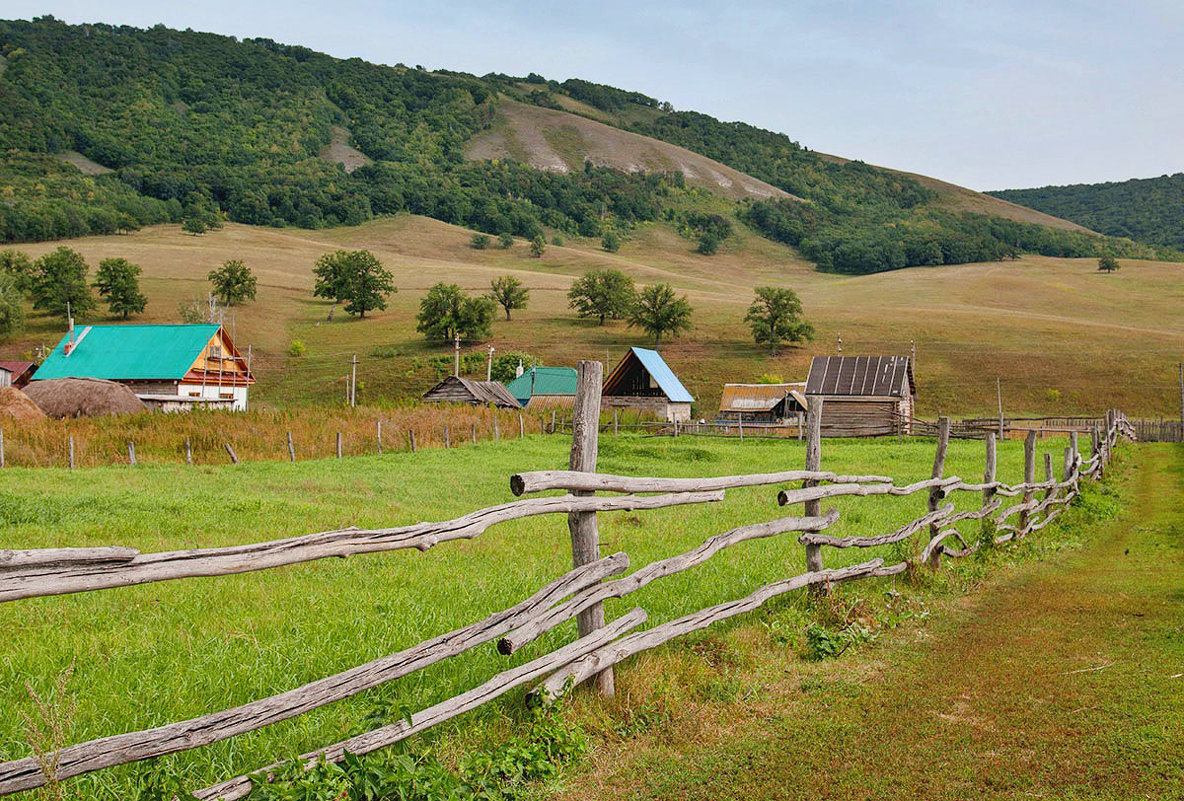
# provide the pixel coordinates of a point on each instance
(215, 351)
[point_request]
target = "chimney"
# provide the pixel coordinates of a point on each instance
(519, 371)
(69, 346)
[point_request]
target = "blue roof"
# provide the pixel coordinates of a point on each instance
(543, 381)
(128, 352)
(656, 366)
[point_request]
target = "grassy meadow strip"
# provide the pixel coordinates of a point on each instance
(148, 655)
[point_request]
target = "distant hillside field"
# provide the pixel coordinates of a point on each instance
(1063, 337)
(1144, 209)
(108, 128)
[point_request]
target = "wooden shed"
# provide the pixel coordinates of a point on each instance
(863, 396)
(474, 393)
(762, 403)
(643, 380)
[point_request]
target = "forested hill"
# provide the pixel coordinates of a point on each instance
(1144, 209)
(169, 125)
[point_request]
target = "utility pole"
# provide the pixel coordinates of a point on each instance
(913, 354)
(999, 394)
(840, 344)
(456, 356)
(247, 380)
(353, 382)
(489, 367)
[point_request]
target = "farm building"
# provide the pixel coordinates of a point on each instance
(863, 395)
(643, 380)
(178, 364)
(545, 387)
(762, 403)
(19, 373)
(474, 393)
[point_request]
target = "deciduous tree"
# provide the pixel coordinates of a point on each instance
(658, 311)
(233, 282)
(60, 284)
(775, 316)
(604, 294)
(12, 307)
(1108, 263)
(509, 293)
(356, 278)
(118, 282)
(447, 312)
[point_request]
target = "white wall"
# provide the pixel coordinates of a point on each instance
(214, 391)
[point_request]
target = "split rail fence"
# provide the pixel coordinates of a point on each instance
(578, 594)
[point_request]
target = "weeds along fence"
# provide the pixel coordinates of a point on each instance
(222, 437)
(578, 594)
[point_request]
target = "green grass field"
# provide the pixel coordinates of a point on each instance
(152, 654)
(1064, 338)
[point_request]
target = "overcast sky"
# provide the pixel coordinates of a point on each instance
(992, 94)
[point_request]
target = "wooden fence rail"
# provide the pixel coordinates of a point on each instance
(599, 645)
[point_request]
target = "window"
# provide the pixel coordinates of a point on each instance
(226, 395)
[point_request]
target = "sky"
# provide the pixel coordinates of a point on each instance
(992, 94)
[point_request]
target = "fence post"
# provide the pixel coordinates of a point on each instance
(1069, 465)
(379, 435)
(521, 427)
(474, 432)
(338, 444)
(615, 431)
(189, 451)
(936, 494)
(1048, 473)
(131, 453)
(813, 462)
(552, 421)
(71, 451)
(1029, 478)
(1, 449)
(585, 537)
(291, 448)
(447, 438)
(497, 430)
(989, 477)
(1073, 447)
(412, 434)
(230, 450)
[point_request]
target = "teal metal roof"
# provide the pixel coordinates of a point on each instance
(656, 366)
(128, 352)
(545, 381)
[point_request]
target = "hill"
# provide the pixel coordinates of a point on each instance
(1063, 337)
(1143, 209)
(109, 128)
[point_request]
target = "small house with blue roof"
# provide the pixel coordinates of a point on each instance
(643, 380)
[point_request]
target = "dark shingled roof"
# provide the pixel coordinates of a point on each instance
(861, 376)
(493, 392)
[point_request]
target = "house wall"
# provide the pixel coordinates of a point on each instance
(5, 377)
(238, 394)
(850, 417)
(664, 408)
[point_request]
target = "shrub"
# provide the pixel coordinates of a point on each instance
(297, 349)
(505, 241)
(479, 241)
(610, 242)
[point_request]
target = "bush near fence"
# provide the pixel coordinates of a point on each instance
(579, 593)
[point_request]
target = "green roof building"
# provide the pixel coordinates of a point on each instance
(545, 387)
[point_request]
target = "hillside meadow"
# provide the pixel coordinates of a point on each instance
(1061, 336)
(147, 655)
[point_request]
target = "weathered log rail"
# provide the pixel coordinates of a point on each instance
(599, 646)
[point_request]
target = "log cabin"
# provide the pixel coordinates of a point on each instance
(179, 366)
(762, 403)
(863, 396)
(643, 380)
(475, 393)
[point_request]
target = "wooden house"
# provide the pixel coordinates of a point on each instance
(863, 395)
(19, 372)
(762, 403)
(187, 364)
(474, 393)
(643, 380)
(545, 387)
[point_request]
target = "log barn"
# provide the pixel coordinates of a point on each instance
(643, 380)
(863, 396)
(475, 393)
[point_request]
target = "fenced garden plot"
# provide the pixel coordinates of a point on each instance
(495, 570)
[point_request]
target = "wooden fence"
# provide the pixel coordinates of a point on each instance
(578, 594)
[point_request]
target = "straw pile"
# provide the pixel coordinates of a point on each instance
(15, 405)
(83, 397)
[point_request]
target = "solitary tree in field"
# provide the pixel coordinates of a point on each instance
(60, 284)
(233, 282)
(610, 242)
(447, 312)
(604, 294)
(505, 241)
(118, 282)
(1108, 263)
(355, 278)
(775, 316)
(657, 312)
(479, 241)
(538, 246)
(193, 225)
(509, 293)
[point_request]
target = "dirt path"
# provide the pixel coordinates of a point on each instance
(1063, 680)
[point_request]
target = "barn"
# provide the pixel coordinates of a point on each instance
(186, 363)
(545, 387)
(762, 403)
(475, 393)
(863, 395)
(643, 380)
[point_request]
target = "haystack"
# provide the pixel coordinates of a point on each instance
(15, 405)
(83, 397)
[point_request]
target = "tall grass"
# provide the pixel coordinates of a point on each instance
(152, 654)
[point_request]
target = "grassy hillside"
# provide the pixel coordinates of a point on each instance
(1145, 209)
(107, 128)
(1063, 337)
